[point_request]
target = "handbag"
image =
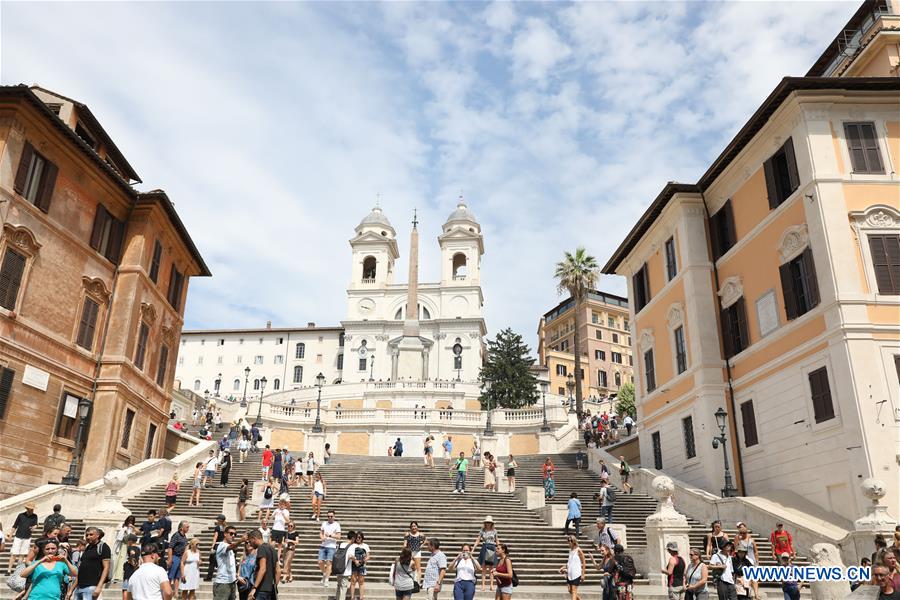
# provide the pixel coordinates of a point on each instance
(15, 581)
(416, 587)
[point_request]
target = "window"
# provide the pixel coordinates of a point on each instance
(799, 285)
(300, 350)
(276, 384)
(625, 325)
(82, 132)
(735, 335)
(649, 371)
(298, 374)
(601, 378)
(256, 384)
(176, 284)
(279, 359)
(126, 428)
(11, 273)
(151, 439)
(67, 421)
(180, 360)
(615, 338)
(657, 451)
(561, 370)
(721, 230)
(141, 350)
(220, 360)
(680, 353)
(671, 267)
(885, 251)
(154, 262)
(610, 321)
(862, 145)
(88, 324)
(564, 345)
(6, 382)
(279, 341)
(782, 177)
(618, 379)
(340, 361)
(258, 359)
(341, 340)
(199, 360)
(687, 430)
(641, 283)
(630, 361)
(236, 385)
(600, 354)
(561, 391)
(35, 178)
(369, 269)
(196, 385)
(162, 366)
(239, 359)
(220, 342)
(616, 357)
(748, 419)
(595, 318)
(107, 234)
(457, 362)
(598, 334)
(362, 364)
(823, 408)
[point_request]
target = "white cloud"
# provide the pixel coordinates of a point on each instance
(537, 49)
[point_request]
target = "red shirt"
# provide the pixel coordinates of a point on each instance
(267, 458)
(782, 542)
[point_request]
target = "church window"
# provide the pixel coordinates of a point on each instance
(459, 266)
(369, 269)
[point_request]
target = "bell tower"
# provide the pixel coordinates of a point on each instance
(462, 247)
(374, 249)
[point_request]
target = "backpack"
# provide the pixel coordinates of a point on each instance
(515, 579)
(268, 493)
(626, 566)
(610, 493)
(339, 561)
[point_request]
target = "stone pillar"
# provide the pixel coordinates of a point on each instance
(547, 442)
(827, 555)
(110, 513)
(865, 528)
(489, 444)
(664, 526)
(315, 443)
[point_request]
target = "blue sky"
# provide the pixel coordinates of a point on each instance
(273, 126)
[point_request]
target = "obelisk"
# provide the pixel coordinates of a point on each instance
(411, 350)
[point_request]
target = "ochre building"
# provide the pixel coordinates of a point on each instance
(771, 288)
(93, 279)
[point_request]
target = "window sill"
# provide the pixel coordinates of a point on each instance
(64, 442)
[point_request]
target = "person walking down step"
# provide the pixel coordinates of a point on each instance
(511, 466)
(268, 501)
(625, 474)
(209, 468)
(414, 539)
(503, 573)
(267, 458)
(189, 571)
(320, 490)
(400, 577)
(329, 534)
(435, 571)
(695, 577)
(607, 500)
(21, 534)
(225, 463)
(361, 555)
(490, 472)
(175, 555)
(674, 572)
(290, 546)
(462, 467)
(243, 496)
(198, 485)
(574, 568)
(225, 581)
(342, 566)
(488, 537)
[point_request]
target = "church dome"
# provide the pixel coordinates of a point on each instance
(461, 214)
(376, 218)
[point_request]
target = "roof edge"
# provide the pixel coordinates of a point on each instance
(162, 198)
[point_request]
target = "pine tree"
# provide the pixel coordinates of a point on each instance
(625, 401)
(507, 368)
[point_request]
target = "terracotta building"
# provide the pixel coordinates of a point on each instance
(771, 289)
(93, 279)
(605, 341)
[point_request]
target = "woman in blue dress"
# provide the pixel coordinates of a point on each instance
(49, 572)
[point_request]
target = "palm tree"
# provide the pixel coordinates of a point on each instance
(577, 274)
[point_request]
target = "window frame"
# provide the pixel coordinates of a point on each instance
(155, 261)
(774, 180)
(37, 193)
(656, 445)
(671, 259)
(799, 284)
(822, 376)
(640, 283)
(722, 234)
(680, 346)
(649, 371)
(877, 220)
(687, 435)
(297, 376)
(162, 365)
(140, 347)
(126, 435)
(746, 427)
(877, 148)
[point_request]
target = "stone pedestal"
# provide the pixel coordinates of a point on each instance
(554, 514)
(878, 520)
(547, 442)
(489, 443)
(502, 483)
(664, 526)
(827, 555)
(532, 496)
(110, 513)
(315, 443)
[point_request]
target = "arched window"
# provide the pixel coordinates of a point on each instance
(459, 266)
(237, 385)
(256, 384)
(300, 350)
(425, 314)
(618, 379)
(398, 316)
(277, 384)
(196, 385)
(369, 268)
(298, 374)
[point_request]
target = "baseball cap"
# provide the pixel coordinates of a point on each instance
(672, 547)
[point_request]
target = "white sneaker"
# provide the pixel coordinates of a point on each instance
(463, 492)
(455, 491)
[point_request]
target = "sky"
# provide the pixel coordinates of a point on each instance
(275, 126)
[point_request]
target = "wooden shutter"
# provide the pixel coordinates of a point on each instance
(163, 364)
(154, 263)
(823, 408)
(885, 251)
(48, 181)
(172, 273)
(855, 147)
(714, 241)
(787, 290)
(141, 350)
(24, 164)
(771, 186)
(809, 279)
(645, 278)
(11, 278)
(730, 232)
(742, 329)
(727, 336)
(748, 418)
(88, 324)
(6, 382)
(793, 173)
(116, 236)
(636, 283)
(100, 218)
(870, 148)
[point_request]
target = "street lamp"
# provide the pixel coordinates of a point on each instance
(544, 386)
(74, 473)
(371, 369)
(218, 384)
(488, 427)
(262, 390)
(246, 379)
(570, 384)
(729, 491)
(320, 383)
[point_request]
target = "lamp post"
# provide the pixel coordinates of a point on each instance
(488, 426)
(74, 473)
(262, 390)
(570, 384)
(544, 386)
(729, 491)
(218, 384)
(320, 383)
(371, 368)
(246, 379)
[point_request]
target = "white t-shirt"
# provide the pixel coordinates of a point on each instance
(266, 534)
(351, 548)
(211, 463)
(465, 570)
(333, 529)
(318, 487)
(145, 581)
(573, 566)
(281, 516)
(298, 467)
(720, 559)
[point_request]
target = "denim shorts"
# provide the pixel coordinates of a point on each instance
(326, 554)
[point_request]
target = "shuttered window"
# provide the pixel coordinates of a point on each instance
(782, 177)
(820, 391)
(687, 430)
(862, 145)
(799, 285)
(11, 272)
(141, 350)
(721, 230)
(671, 266)
(885, 250)
(176, 282)
(649, 371)
(641, 283)
(151, 439)
(162, 366)
(35, 178)
(107, 234)
(748, 419)
(680, 352)
(735, 334)
(657, 451)
(88, 324)
(601, 377)
(154, 262)
(127, 427)
(6, 382)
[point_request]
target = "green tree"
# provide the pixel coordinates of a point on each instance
(508, 369)
(577, 274)
(625, 401)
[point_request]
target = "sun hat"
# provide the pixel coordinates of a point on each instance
(488, 519)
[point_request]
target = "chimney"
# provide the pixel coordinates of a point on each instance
(310, 324)
(268, 324)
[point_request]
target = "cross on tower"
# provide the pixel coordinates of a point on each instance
(415, 219)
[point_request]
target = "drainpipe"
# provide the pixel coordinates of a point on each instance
(738, 460)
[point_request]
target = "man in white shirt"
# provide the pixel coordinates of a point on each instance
(329, 534)
(435, 570)
(209, 469)
(343, 577)
(149, 581)
(722, 569)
